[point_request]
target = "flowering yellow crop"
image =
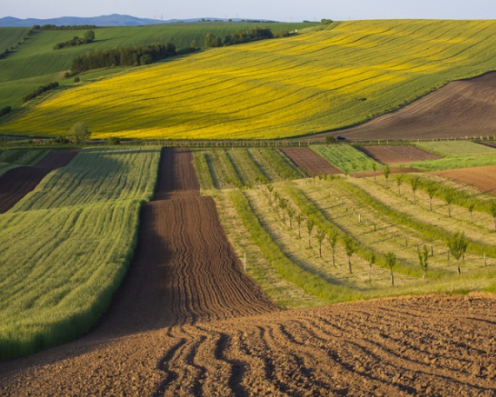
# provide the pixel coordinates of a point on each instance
(324, 80)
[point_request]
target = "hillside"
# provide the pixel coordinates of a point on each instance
(341, 76)
(35, 62)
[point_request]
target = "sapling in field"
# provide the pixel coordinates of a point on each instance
(310, 225)
(424, 261)
(350, 247)
(371, 262)
(387, 172)
(270, 188)
(374, 167)
(283, 204)
(399, 181)
(414, 183)
(471, 207)
(299, 219)
(391, 261)
(457, 245)
(332, 238)
(431, 191)
(320, 237)
(291, 213)
(492, 209)
(449, 198)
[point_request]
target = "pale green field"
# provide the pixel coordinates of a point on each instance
(66, 246)
(275, 88)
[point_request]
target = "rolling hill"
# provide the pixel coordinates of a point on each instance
(329, 79)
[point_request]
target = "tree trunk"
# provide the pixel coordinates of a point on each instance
(414, 197)
(392, 279)
(299, 231)
(333, 262)
(309, 243)
(430, 203)
(320, 249)
(449, 211)
(349, 264)
(370, 272)
(423, 275)
(399, 191)
(459, 270)
(471, 217)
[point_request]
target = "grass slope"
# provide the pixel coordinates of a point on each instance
(329, 79)
(66, 246)
(35, 62)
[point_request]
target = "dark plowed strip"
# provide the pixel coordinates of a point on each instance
(177, 176)
(393, 155)
(18, 182)
(309, 161)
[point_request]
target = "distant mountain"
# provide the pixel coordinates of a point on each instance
(104, 20)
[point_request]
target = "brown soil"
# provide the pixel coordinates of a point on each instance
(187, 322)
(482, 178)
(309, 161)
(459, 109)
(18, 182)
(393, 155)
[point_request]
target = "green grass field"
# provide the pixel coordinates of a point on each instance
(66, 246)
(35, 62)
(346, 158)
(456, 148)
(275, 88)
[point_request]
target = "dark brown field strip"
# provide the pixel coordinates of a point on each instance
(309, 161)
(18, 182)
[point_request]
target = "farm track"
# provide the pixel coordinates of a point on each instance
(187, 322)
(18, 182)
(309, 161)
(459, 109)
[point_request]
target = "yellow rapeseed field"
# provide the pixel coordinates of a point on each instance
(340, 76)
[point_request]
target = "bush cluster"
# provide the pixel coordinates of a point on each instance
(40, 90)
(63, 27)
(124, 56)
(89, 36)
(5, 110)
(242, 36)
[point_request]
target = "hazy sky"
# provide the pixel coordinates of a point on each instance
(281, 10)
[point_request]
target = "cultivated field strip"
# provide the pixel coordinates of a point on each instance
(392, 347)
(18, 182)
(67, 245)
(281, 88)
(309, 161)
(346, 158)
(394, 155)
(482, 178)
(100, 176)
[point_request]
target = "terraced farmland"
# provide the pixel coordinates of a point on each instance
(275, 88)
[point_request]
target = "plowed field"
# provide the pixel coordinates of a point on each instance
(309, 161)
(393, 155)
(18, 182)
(187, 322)
(459, 109)
(481, 178)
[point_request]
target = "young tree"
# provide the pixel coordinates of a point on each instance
(391, 261)
(371, 262)
(492, 209)
(283, 204)
(299, 219)
(399, 181)
(354, 166)
(386, 171)
(332, 239)
(431, 191)
(79, 132)
(350, 247)
(449, 198)
(346, 171)
(374, 168)
(291, 213)
(414, 182)
(424, 261)
(276, 199)
(471, 207)
(310, 225)
(89, 35)
(270, 188)
(320, 237)
(457, 245)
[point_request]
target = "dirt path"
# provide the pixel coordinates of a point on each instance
(188, 323)
(459, 109)
(18, 182)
